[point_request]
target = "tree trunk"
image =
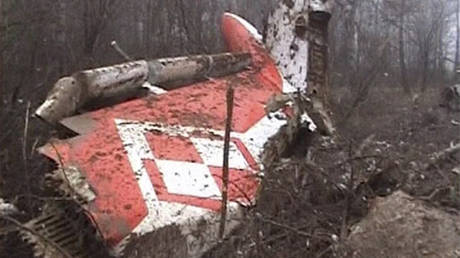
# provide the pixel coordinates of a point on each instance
(1, 55)
(440, 53)
(457, 40)
(425, 60)
(402, 61)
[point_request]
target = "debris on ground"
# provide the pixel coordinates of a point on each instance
(451, 98)
(322, 188)
(385, 182)
(7, 209)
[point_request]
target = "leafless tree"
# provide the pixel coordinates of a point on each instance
(457, 36)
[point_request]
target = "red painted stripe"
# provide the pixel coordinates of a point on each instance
(246, 154)
(242, 184)
(173, 148)
(119, 206)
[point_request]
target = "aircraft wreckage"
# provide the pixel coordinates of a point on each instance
(144, 171)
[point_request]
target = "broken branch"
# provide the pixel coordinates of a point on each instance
(228, 129)
(441, 155)
(120, 51)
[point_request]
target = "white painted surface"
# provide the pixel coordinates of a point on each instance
(209, 236)
(306, 119)
(186, 178)
(289, 51)
(288, 87)
(212, 153)
(189, 179)
(153, 89)
(256, 137)
(186, 217)
(137, 149)
(321, 5)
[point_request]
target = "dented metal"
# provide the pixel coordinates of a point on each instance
(147, 173)
(125, 80)
(71, 182)
(146, 166)
(71, 93)
(297, 38)
(170, 72)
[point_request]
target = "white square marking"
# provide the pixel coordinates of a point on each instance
(212, 152)
(186, 178)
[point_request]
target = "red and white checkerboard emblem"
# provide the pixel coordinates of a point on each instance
(184, 164)
(156, 161)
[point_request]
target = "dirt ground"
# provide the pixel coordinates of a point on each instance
(313, 195)
(309, 201)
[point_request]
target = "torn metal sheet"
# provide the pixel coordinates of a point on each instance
(297, 39)
(289, 48)
(154, 164)
(71, 93)
(170, 72)
(125, 80)
(72, 182)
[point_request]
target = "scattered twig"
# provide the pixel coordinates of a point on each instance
(62, 169)
(34, 147)
(431, 195)
(324, 252)
(295, 230)
(364, 144)
(355, 158)
(346, 210)
(120, 51)
(290, 228)
(25, 158)
(228, 129)
(453, 149)
(44, 198)
(437, 157)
